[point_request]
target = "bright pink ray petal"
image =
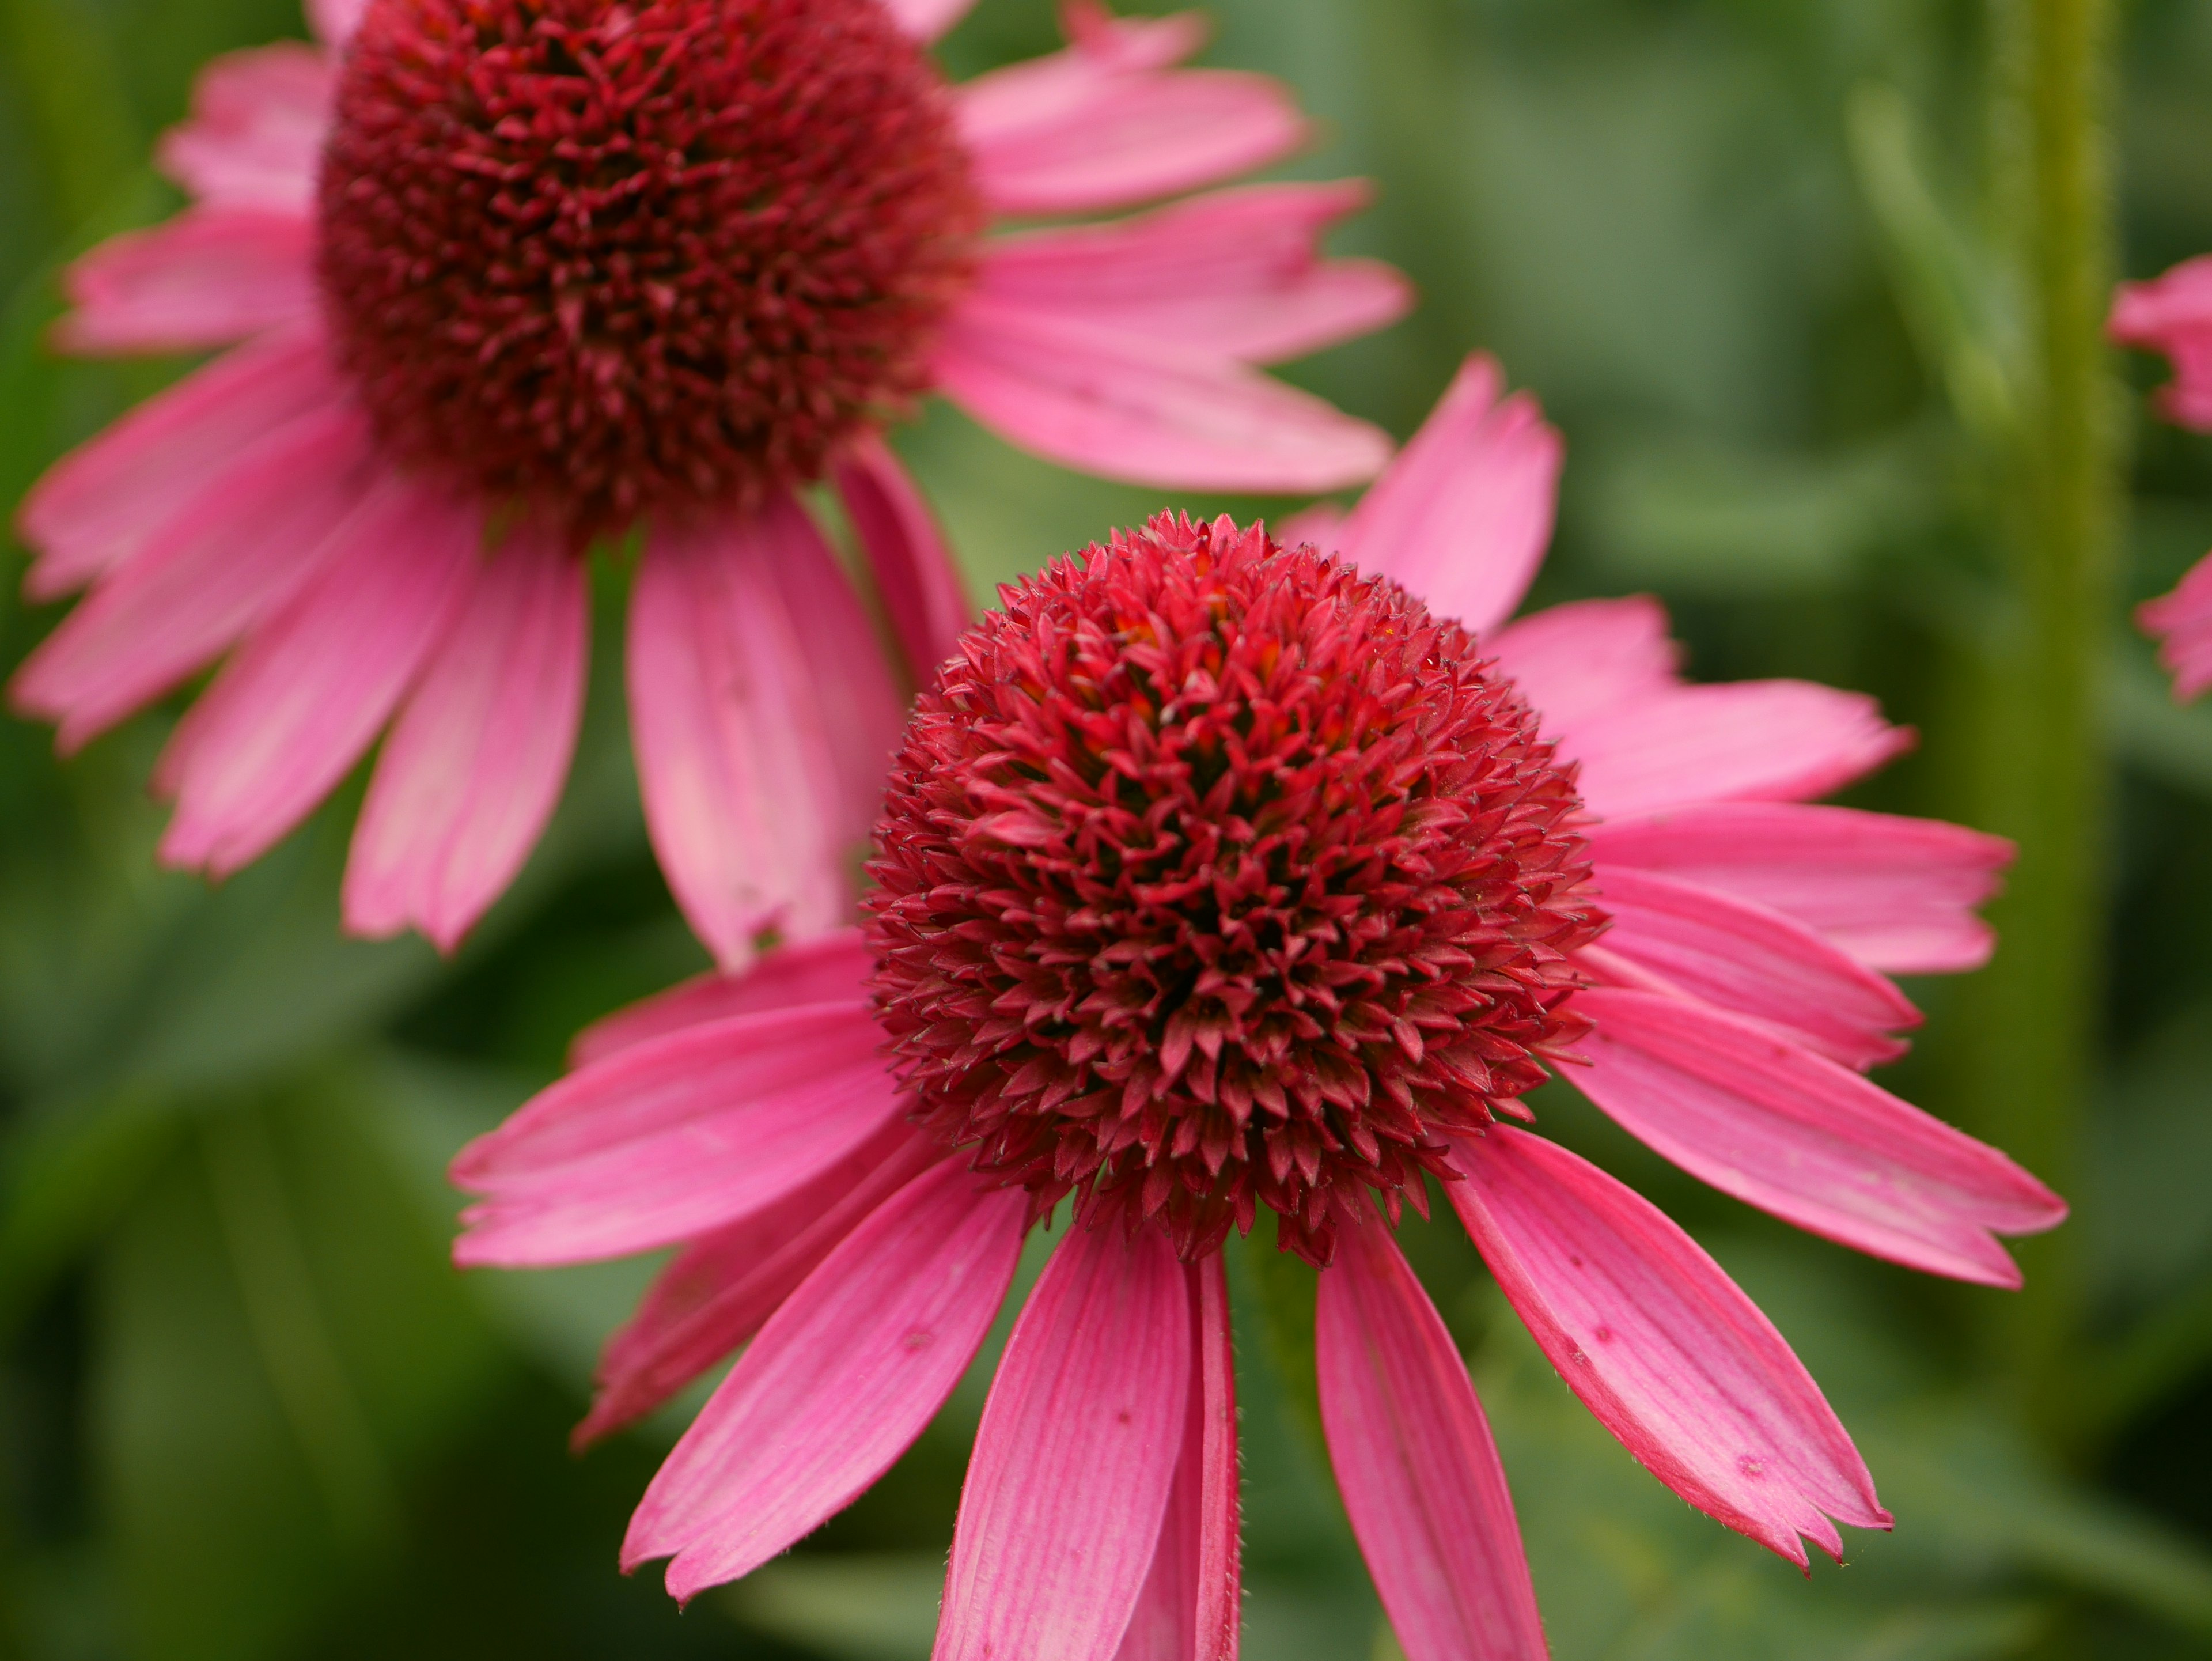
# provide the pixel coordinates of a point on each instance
(763, 715)
(1237, 273)
(210, 276)
(1463, 515)
(717, 1291)
(1105, 124)
(926, 20)
(334, 20)
(669, 1139)
(2182, 622)
(2172, 314)
(1898, 894)
(1754, 961)
(305, 695)
(475, 762)
(842, 1379)
(1574, 661)
(259, 530)
(920, 582)
(1811, 1141)
(255, 133)
(1661, 1346)
(99, 504)
(1746, 740)
(1189, 1609)
(1321, 524)
(1125, 409)
(1414, 1461)
(1075, 1456)
(831, 969)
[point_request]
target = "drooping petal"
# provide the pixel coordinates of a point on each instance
(1121, 408)
(2182, 623)
(1190, 1606)
(1746, 740)
(1898, 894)
(1075, 1456)
(669, 1139)
(102, 502)
(1661, 1345)
(926, 19)
(833, 969)
(842, 1379)
(255, 133)
(1414, 1461)
(2172, 314)
(334, 20)
(475, 762)
(1237, 273)
(260, 532)
(1813, 1142)
(1463, 515)
(1106, 124)
(719, 1289)
(1574, 661)
(1754, 961)
(210, 276)
(763, 716)
(920, 584)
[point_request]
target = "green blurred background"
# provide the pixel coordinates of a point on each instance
(1758, 256)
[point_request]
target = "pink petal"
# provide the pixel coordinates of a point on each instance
(2172, 314)
(842, 1379)
(99, 504)
(261, 528)
(1321, 524)
(763, 717)
(254, 138)
(297, 705)
(474, 765)
(1190, 1608)
(1898, 894)
(1811, 1141)
(719, 1289)
(1414, 1461)
(1574, 661)
(2182, 622)
(669, 1139)
(1237, 273)
(1105, 124)
(831, 969)
(334, 20)
(916, 576)
(1754, 961)
(1661, 1346)
(926, 20)
(1749, 740)
(1464, 514)
(210, 276)
(1118, 408)
(1075, 1457)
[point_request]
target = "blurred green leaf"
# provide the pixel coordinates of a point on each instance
(2168, 741)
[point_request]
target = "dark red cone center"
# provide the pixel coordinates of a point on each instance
(1213, 874)
(622, 259)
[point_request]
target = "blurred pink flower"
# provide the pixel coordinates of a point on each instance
(2172, 314)
(1215, 874)
(512, 276)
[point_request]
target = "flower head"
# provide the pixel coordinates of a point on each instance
(1219, 874)
(2172, 314)
(500, 277)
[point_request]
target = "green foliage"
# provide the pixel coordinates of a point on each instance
(1750, 254)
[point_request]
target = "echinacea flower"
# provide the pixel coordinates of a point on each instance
(2172, 314)
(514, 276)
(1217, 875)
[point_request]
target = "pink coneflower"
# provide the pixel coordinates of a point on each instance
(2173, 314)
(515, 276)
(1217, 875)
